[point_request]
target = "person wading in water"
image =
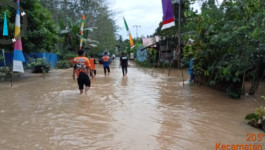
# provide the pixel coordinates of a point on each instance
(105, 60)
(124, 63)
(93, 64)
(81, 69)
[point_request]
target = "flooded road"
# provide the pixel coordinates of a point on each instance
(146, 110)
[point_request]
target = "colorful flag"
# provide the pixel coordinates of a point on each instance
(82, 31)
(168, 16)
(128, 31)
(18, 55)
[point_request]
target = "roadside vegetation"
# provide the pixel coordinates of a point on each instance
(53, 29)
(257, 119)
(227, 44)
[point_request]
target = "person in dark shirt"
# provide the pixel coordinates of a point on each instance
(124, 63)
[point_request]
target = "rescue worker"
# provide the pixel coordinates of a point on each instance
(93, 64)
(105, 60)
(82, 68)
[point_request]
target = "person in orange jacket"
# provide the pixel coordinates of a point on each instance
(93, 64)
(106, 60)
(82, 68)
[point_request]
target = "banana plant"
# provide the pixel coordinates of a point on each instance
(71, 33)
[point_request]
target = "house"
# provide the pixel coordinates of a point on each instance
(166, 48)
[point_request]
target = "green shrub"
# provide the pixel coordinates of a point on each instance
(234, 90)
(68, 56)
(257, 119)
(5, 73)
(144, 64)
(62, 64)
(185, 62)
(65, 57)
(1, 58)
(38, 65)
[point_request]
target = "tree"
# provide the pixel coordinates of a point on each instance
(41, 34)
(97, 15)
(227, 44)
(71, 34)
(106, 33)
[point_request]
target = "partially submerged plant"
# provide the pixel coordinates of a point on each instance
(5, 73)
(1, 58)
(257, 119)
(38, 65)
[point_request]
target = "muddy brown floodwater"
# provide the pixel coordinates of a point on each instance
(146, 110)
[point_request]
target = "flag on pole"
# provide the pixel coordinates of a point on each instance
(18, 55)
(82, 31)
(128, 31)
(5, 29)
(168, 16)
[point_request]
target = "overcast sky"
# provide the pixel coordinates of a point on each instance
(146, 13)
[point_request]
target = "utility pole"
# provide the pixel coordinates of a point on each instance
(179, 37)
(137, 26)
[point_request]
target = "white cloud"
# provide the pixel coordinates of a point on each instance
(146, 13)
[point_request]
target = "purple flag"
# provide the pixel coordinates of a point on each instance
(168, 18)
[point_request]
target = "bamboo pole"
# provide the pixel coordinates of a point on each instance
(12, 78)
(179, 39)
(3, 51)
(169, 70)
(163, 67)
(164, 58)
